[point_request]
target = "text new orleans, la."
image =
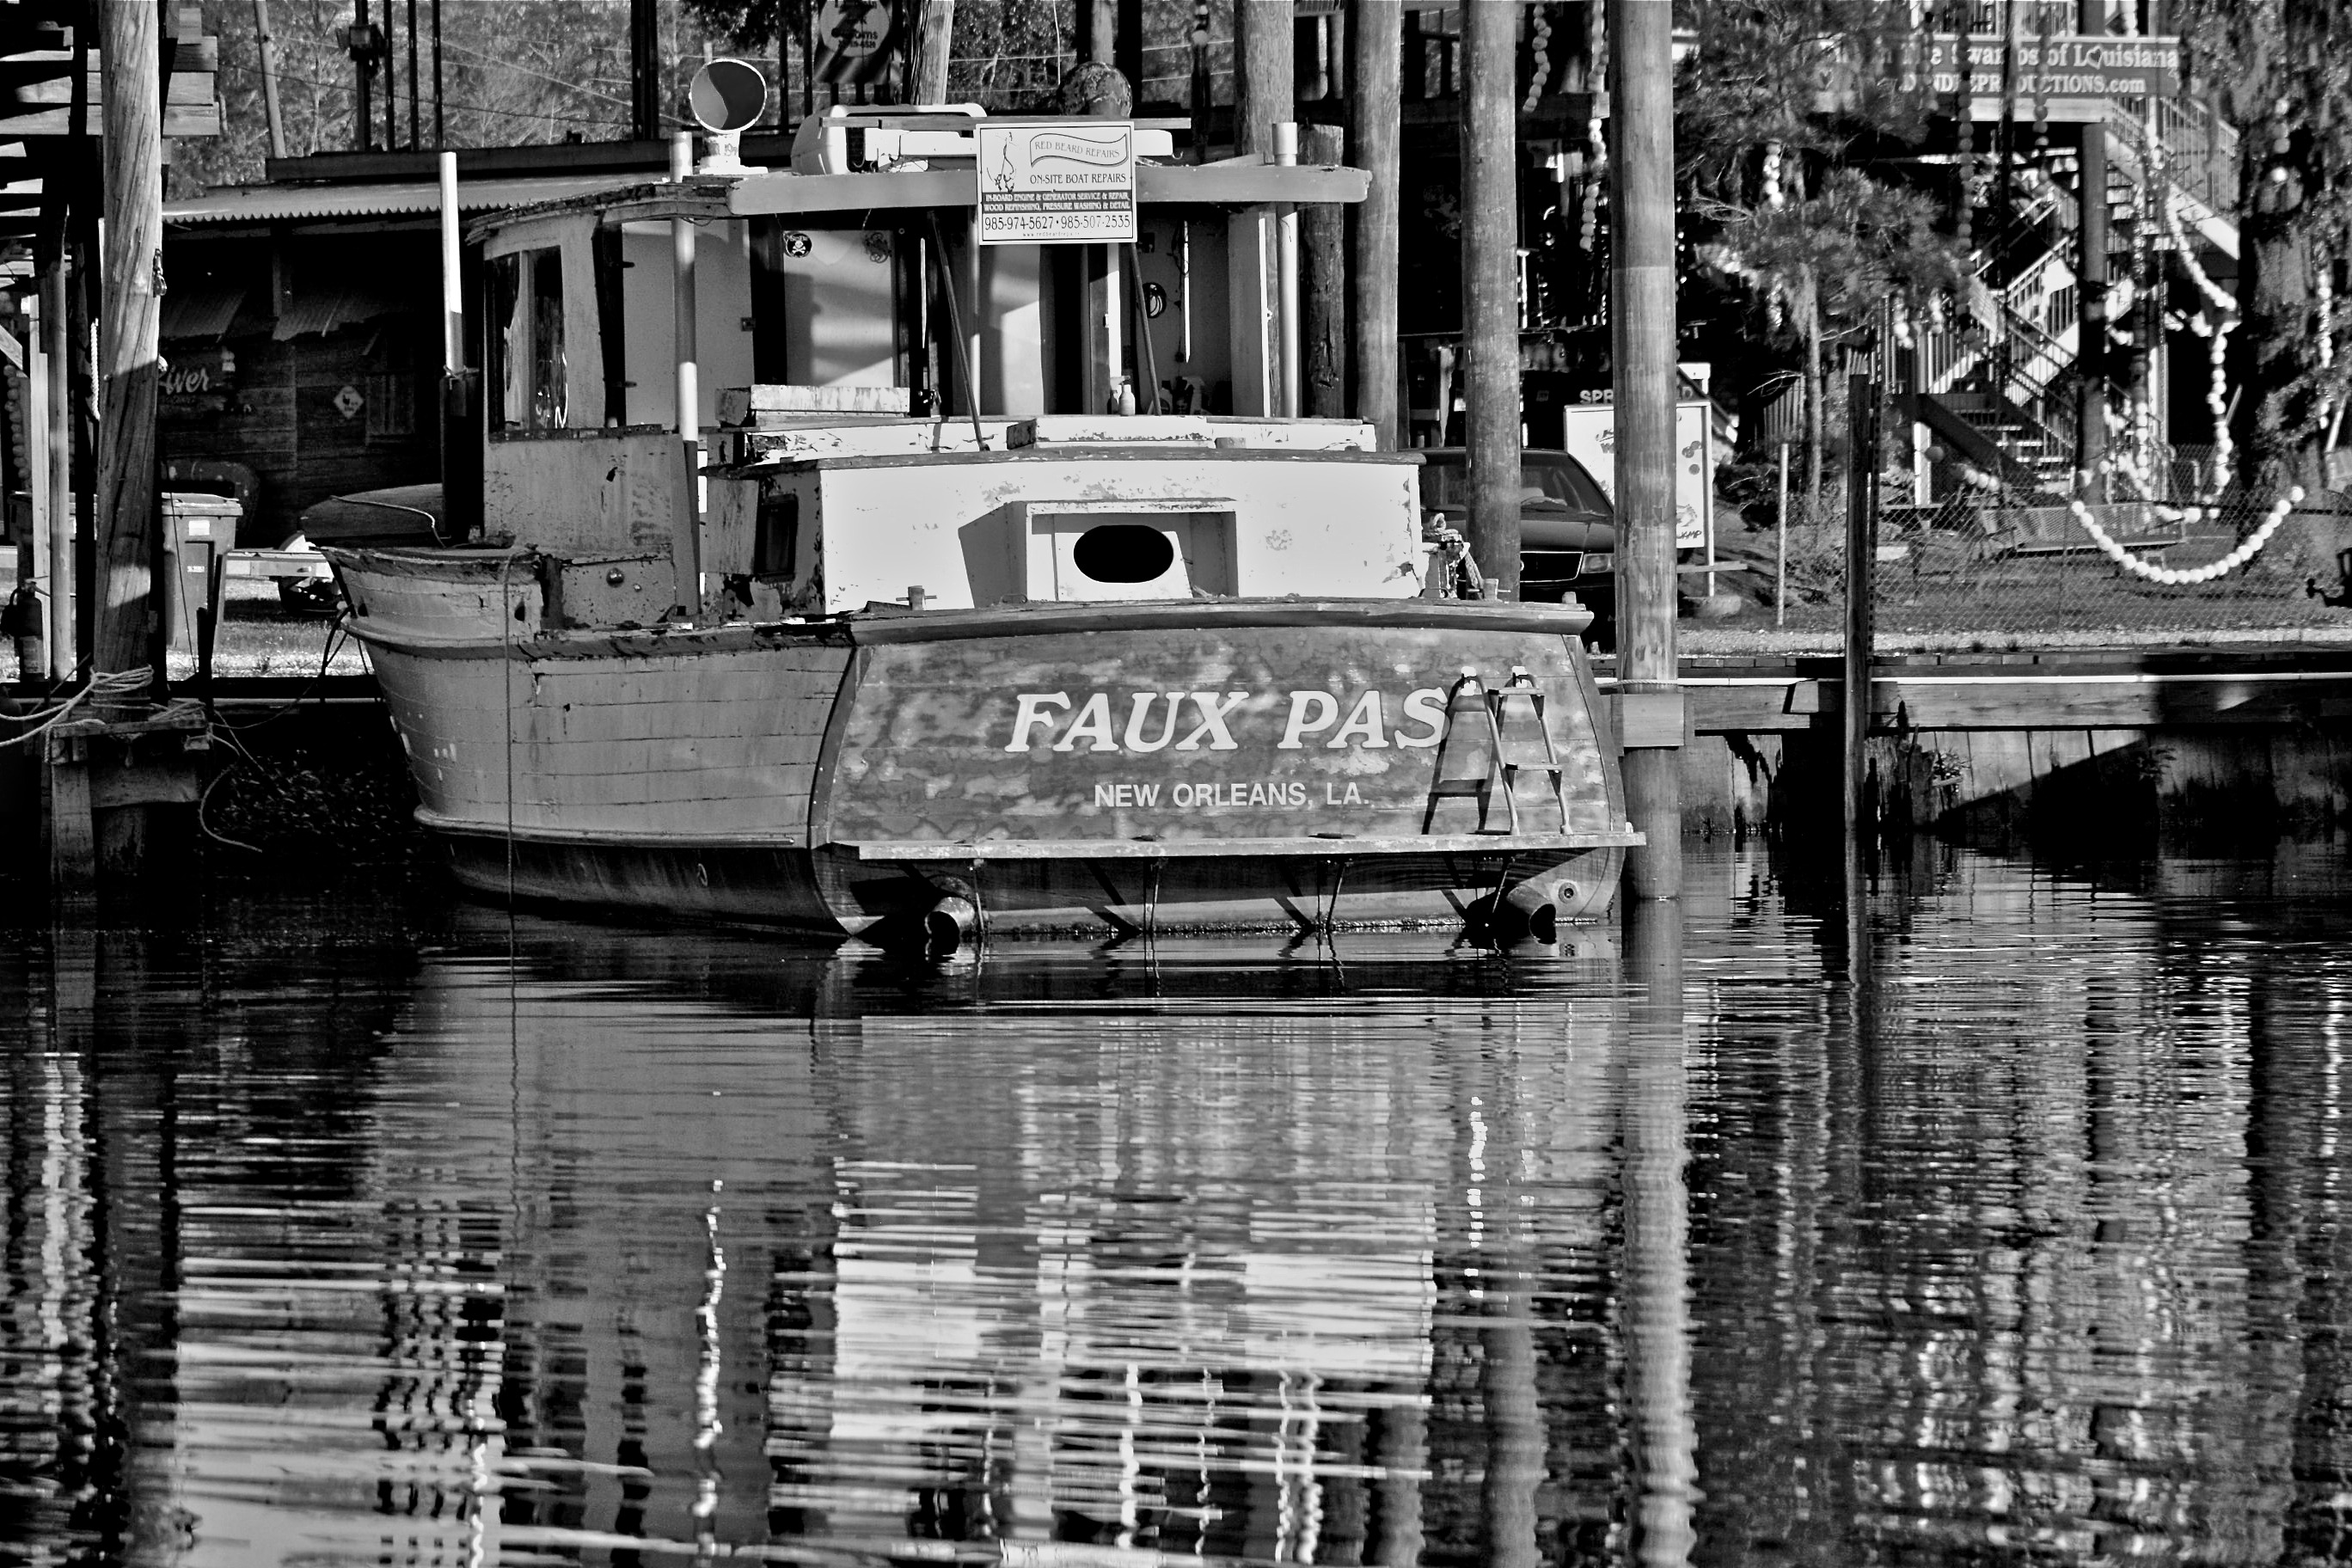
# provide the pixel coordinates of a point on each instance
(1141, 722)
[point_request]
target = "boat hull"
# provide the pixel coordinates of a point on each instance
(1214, 765)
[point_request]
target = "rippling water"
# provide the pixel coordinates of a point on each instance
(2010, 1226)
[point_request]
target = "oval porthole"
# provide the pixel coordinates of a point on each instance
(1123, 553)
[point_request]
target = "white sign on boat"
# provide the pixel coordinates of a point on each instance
(1062, 183)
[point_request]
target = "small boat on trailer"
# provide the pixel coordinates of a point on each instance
(885, 669)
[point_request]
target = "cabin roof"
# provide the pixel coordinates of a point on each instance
(1235, 182)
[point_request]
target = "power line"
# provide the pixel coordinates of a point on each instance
(569, 86)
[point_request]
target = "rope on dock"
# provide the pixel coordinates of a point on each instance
(2181, 576)
(120, 683)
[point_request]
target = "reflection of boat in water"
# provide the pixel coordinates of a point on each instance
(1052, 672)
(988, 1268)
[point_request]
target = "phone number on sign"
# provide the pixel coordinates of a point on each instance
(1093, 226)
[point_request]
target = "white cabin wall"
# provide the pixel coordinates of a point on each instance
(1344, 530)
(841, 326)
(722, 311)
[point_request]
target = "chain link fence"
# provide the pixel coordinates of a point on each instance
(1988, 570)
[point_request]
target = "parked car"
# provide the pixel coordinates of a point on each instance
(1568, 527)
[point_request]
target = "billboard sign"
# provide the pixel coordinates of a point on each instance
(2060, 66)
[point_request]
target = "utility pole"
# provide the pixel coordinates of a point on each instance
(362, 46)
(1641, 333)
(644, 69)
(268, 49)
(125, 515)
(1263, 36)
(1126, 52)
(1098, 31)
(1375, 106)
(933, 46)
(1490, 302)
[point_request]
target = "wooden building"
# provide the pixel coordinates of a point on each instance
(302, 330)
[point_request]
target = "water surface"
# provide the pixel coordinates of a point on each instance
(2008, 1225)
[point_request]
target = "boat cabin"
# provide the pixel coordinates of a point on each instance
(882, 411)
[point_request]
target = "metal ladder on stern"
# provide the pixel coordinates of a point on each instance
(1496, 757)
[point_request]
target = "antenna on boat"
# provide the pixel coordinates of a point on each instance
(728, 98)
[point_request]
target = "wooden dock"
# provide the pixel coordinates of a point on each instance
(2109, 751)
(1992, 747)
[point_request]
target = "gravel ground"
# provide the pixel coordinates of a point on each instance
(259, 636)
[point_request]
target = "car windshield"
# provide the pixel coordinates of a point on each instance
(1553, 478)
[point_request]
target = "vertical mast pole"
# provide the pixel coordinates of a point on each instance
(688, 552)
(1286, 154)
(1642, 333)
(453, 308)
(57, 351)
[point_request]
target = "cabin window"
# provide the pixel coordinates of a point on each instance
(527, 366)
(1123, 553)
(776, 541)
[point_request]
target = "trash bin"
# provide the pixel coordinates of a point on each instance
(197, 531)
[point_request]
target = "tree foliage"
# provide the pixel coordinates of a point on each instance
(1786, 114)
(512, 70)
(2280, 71)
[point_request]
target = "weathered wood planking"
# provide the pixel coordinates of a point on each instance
(677, 744)
(573, 491)
(2004, 699)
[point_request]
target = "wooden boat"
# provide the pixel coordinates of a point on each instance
(954, 674)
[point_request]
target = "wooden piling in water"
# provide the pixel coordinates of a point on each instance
(129, 318)
(2091, 337)
(1263, 64)
(1323, 228)
(1860, 575)
(1375, 107)
(1641, 332)
(1490, 314)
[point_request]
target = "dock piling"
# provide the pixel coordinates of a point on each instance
(1375, 107)
(1490, 312)
(1642, 330)
(1861, 571)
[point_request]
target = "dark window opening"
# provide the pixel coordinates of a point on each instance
(526, 369)
(1123, 553)
(776, 538)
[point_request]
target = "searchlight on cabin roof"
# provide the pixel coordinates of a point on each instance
(728, 97)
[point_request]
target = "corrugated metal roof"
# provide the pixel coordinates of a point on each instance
(257, 204)
(204, 311)
(325, 313)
